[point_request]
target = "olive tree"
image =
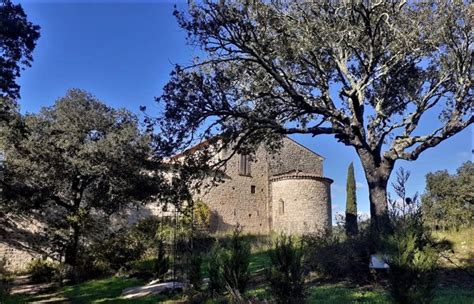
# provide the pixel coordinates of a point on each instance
(366, 72)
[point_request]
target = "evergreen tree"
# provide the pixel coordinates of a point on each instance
(448, 199)
(81, 159)
(351, 203)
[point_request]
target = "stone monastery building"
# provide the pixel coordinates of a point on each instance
(283, 192)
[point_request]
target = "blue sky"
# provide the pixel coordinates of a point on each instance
(122, 52)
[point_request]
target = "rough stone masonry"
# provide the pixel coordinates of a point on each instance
(281, 192)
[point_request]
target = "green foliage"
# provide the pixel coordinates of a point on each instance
(161, 264)
(40, 270)
(216, 285)
(286, 274)
(447, 202)
(202, 214)
(194, 272)
(410, 250)
(110, 289)
(340, 294)
(412, 269)
(18, 38)
(119, 249)
(228, 266)
(80, 161)
(334, 255)
(351, 203)
(148, 229)
(273, 68)
(235, 260)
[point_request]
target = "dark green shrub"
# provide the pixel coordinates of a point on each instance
(148, 228)
(119, 249)
(286, 274)
(194, 271)
(413, 268)
(216, 285)
(410, 250)
(41, 271)
(161, 264)
(90, 265)
(235, 260)
(339, 257)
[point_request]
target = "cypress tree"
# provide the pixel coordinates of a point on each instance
(351, 203)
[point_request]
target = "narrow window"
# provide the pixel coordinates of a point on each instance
(252, 189)
(281, 207)
(244, 168)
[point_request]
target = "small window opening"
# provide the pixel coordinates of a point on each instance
(253, 189)
(244, 168)
(281, 207)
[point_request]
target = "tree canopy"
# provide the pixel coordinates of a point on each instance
(368, 73)
(18, 38)
(449, 201)
(79, 158)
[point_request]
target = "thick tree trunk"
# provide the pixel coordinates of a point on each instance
(75, 225)
(379, 220)
(72, 247)
(377, 173)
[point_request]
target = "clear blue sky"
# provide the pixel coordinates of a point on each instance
(123, 53)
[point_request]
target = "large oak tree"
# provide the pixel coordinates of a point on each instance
(80, 159)
(370, 73)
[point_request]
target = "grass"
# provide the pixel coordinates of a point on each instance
(109, 290)
(106, 290)
(463, 246)
(454, 296)
(342, 294)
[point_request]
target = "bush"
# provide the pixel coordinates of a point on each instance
(413, 268)
(410, 250)
(195, 277)
(119, 249)
(235, 260)
(202, 214)
(286, 275)
(215, 271)
(5, 280)
(161, 264)
(41, 271)
(339, 257)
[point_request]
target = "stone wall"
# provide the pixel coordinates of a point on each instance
(232, 201)
(21, 240)
(301, 203)
(294, 157)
